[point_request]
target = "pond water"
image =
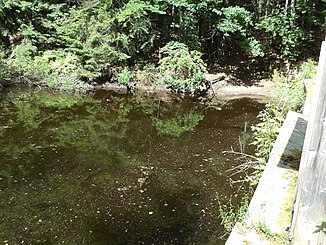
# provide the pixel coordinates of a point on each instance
(113, 169)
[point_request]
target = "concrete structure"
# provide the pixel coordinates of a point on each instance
(308, 227)
(273, 197)
(272, 202)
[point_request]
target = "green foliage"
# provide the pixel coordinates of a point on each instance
(284, 26)
(236, 20)
(21, 57)
(147, 75)
(263, 229)
(134, 18)
(54, 68)
(4, 73)
(308, 70)
(35, 20)
(291, 84)
(182, 69)
(237, 23)
(229, 214)
(266, 132)
(274, 238)
(89, 33)
(125, 77)
(252, 46)
(99, 36)
(290, 96)
(58, 69)
(176, 126)
(182, 21)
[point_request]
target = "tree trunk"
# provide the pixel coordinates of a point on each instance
(292, 6)
(286, 6)
(260, 7)
(267, 8)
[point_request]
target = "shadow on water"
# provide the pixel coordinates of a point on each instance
(85, 170)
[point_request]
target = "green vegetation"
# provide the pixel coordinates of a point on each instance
(65, 45)
(273, 238)
(125, 77)
(324, 223)
(229, 215)
(263, 229)
(181, 69)
(290, 95)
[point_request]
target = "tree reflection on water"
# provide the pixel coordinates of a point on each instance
(78, 171)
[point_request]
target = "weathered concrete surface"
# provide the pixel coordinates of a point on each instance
(273, 192)
(268, 201)
(242, 235)
(310, 87)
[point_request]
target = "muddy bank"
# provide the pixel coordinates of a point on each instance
(222, 87)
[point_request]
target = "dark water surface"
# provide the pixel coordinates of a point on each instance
(122, 170)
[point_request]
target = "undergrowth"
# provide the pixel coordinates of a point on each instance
(289, 96)
(229, 214)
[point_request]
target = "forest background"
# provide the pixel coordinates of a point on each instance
(72, 44)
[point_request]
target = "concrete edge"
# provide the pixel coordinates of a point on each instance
(273, 191)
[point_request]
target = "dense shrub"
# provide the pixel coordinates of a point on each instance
(53, 68)
(182, 69)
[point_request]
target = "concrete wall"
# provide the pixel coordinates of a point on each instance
(310, 206)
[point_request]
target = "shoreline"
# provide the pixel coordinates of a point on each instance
(222, 88)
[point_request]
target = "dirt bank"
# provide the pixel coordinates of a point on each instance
(222, 87)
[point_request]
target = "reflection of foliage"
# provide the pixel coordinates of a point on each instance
(28, 116)
(2, 130)
(16, 151)
(177, 126)
(28, 107)
(60, 101)
(78, 172)
(93, 130)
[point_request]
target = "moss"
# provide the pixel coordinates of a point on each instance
(286, 212)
